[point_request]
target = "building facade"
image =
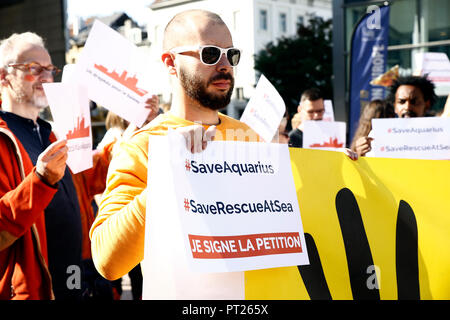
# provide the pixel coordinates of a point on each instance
(47, 18)
(253, 24)
(415, 26)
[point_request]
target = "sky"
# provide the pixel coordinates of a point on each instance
(87, 8)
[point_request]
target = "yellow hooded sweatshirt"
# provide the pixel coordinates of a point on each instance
(118, 232)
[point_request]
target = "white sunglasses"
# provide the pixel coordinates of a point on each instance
(210, 55)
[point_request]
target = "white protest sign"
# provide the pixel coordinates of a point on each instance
(436, 66)
(324, 135)
(211, 216)
(265, 110)
(412, 138)
(69, 106)
(329, 112)
(116, 73)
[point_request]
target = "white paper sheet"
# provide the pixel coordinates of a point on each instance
(265, 110)
(116, 73)
(69, 106)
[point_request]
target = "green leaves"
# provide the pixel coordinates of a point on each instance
(300, 62)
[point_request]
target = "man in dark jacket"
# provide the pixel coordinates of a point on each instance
(311, 107)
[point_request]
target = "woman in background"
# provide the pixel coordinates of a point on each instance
(361, 143)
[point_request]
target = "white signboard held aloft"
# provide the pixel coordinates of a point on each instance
(436, 65)
(265, 110)
(116, 73)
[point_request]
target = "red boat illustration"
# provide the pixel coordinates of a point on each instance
(333, 143)
(129, 82)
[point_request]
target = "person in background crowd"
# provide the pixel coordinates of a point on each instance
(375, 109)
(311, 107)
(87, 184)
(411, 96)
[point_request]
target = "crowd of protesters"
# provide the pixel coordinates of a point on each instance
(49, 230)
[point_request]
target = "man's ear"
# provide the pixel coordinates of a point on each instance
(299, 108)
(168, 60)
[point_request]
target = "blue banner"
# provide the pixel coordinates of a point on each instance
(368, 60)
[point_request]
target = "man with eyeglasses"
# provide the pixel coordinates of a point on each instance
(311, 107)
(199, 56)
(40, 226)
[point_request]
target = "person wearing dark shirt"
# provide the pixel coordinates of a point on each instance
(26, 66)
(311, 107)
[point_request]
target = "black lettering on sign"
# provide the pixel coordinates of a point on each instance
(359, 256)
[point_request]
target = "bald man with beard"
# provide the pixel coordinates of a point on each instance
(199, 57)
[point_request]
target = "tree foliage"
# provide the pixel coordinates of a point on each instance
(294, 64)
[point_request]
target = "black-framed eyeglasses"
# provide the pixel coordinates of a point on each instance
(36, 68)
(210, 55)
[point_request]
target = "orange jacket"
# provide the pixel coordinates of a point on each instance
(88, 183)
(23, 243)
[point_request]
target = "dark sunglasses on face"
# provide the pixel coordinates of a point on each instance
(35, 68)
(210, 55)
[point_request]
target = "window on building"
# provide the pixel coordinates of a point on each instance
(414, 27)
(300, 21)
(283, 23)
(263, 19)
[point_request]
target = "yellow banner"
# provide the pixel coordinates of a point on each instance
(375, 228)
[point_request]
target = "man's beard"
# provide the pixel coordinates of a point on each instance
(196, 89)
(35, 99)
(40, 102)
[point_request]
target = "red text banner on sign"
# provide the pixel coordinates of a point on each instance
(227, 247)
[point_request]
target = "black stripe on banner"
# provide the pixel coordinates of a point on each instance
(312, 274)
(357, 249)
(407, 254)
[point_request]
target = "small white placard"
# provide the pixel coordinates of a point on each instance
(412, 138)
(69, 106)
(265, 110)
(324, 135)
